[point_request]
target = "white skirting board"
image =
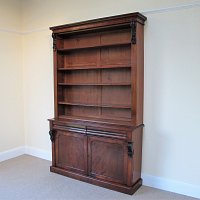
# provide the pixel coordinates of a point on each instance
(148, 180)
(12, 153)
(171, 185)
(38, 153)
(25, 150)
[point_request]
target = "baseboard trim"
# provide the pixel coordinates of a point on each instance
(19, 151)
(148, 180)
(46, 155)
(171, 185)
(12, 153)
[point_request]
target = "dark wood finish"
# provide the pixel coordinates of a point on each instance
(107, 159)
(70, 146)
(98, 98)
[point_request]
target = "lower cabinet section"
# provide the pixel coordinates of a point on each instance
(98, 159)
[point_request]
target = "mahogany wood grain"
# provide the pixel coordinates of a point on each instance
(107, 159)
(69, 147)
(98, 101)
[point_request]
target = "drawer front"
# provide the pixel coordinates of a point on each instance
(71, 151)
(107, 159)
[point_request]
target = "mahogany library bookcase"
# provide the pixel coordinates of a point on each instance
(96, 132)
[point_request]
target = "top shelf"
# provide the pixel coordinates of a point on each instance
(64, 50)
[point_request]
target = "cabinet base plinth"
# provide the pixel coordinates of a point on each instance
(109, 185)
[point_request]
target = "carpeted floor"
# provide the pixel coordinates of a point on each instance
(28, 178)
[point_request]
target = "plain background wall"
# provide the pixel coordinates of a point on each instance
(11, 100)
(38, 88)
(171, 100)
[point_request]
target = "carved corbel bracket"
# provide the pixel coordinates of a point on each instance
(52, 135)
(130, 149)
(133, 32)
(54, 36)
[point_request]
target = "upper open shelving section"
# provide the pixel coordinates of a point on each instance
(98, 69)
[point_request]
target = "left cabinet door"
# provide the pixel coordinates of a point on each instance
(71, 151)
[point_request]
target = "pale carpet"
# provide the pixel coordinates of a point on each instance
(28, 178)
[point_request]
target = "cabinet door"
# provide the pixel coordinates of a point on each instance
(71, 151)
(107, 159)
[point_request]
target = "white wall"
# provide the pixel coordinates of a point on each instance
(172, 98)
(38, 88)
(172, 109)
(11, 100)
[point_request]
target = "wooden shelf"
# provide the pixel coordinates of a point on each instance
(109, 120)
(93, 67)
(92, 47)
(95, 105)
(94, 84)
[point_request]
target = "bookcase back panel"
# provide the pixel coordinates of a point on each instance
(107, 56)
(82, 111)
(60, 77)
(81, 41)
(82, 76)
(93, 76)
(96, 112)
(118, 95)
(60, 93)
(121, 75)
(97, 39)
(82, 57)
(83, 94)
(61, 110)
(119, 55)
(60, 60)
(116, 113)
(116, 37)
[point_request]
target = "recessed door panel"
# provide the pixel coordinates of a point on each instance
(71, 151)
(107, 159)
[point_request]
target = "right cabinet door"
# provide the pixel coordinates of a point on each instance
(107, 159)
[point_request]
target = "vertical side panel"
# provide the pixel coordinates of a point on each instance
(53, 145)
(137, 74)
(137, 157)
(140, 74)
(55, 84)
(133, 78)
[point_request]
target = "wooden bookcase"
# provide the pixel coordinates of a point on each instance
(98, 94)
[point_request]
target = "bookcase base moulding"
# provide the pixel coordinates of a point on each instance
(96, 133)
